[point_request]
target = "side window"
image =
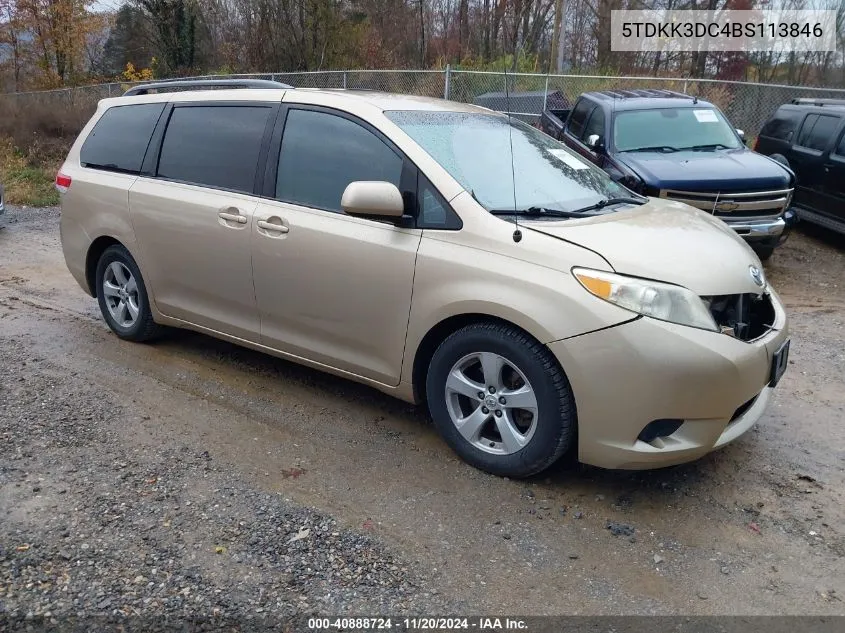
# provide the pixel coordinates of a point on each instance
(816, 134)
(782, 125)
(806, 128)
(214, 145)
(579, 117)
(322, 153)
(840, 147)
(119, 139)
(595, 125)
(434, 211)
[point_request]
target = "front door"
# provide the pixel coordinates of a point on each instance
(332, 288)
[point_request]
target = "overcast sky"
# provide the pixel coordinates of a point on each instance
(107, 5)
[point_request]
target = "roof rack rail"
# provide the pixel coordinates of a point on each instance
(190, 84)
(818, 102)
(633, 93)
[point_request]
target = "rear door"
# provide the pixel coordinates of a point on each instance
(193, 213)
(808, 155)
(332, 288)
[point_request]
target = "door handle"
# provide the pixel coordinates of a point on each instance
(270, 226)
(232, 217)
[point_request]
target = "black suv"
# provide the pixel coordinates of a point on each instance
(671, 145)
(808, 136)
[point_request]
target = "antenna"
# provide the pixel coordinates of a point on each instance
(517, 234)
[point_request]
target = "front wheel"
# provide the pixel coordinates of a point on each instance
(501, 400)
(764, 252)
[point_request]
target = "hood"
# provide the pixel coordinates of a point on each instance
(720, 170)
(665, 241)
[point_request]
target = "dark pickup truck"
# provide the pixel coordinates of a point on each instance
(670, 145)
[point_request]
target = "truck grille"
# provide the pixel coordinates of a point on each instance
(744, 316)
(749, 204)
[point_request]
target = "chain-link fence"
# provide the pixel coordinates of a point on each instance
(747, 105)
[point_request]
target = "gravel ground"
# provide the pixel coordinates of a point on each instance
(96, 527)
(193, 478)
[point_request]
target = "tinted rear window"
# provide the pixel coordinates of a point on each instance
(817, 131)
(217, 146)
(120, 138)
(782, 125)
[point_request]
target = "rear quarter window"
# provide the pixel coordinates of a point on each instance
(782, 125)
(120, 138)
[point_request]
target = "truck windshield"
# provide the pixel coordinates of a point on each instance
(672, 128)
(475, 148)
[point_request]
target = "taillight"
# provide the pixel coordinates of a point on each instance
(62, 182)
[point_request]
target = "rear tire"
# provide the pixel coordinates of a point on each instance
(122, 296)
(501, 400)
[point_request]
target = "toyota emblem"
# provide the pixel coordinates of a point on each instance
(757, 276)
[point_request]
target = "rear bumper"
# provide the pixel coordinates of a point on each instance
(625, 377)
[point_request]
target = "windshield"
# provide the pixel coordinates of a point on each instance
(475, 148)
(673, 128)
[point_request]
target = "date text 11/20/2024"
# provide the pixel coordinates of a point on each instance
(418, 624)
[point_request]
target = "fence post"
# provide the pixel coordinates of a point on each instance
(545, 93)
(110, 90)
(344, 80)
(448, 78)
(685, 86)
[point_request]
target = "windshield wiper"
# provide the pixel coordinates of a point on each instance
(601, 204)
(654, 148)
(540, 212)
(698, 148)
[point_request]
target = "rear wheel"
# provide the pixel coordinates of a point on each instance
(500, 400)
(123, 297)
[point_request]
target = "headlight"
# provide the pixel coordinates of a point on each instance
(655, 299)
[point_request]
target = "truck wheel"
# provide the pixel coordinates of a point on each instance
(781, 159)
(764, 252)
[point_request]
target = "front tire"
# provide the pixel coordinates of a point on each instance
(122, 296)
(501, 400)
(764, 252)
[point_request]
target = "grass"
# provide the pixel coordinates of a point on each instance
(25, 183)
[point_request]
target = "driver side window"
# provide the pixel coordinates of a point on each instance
(595, 125)
(322, 153)
(575, 126)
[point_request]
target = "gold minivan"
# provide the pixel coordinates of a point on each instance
(440, 252)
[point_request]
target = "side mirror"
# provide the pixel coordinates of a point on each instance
(373, 198)
(595, 141)
(741, 135)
